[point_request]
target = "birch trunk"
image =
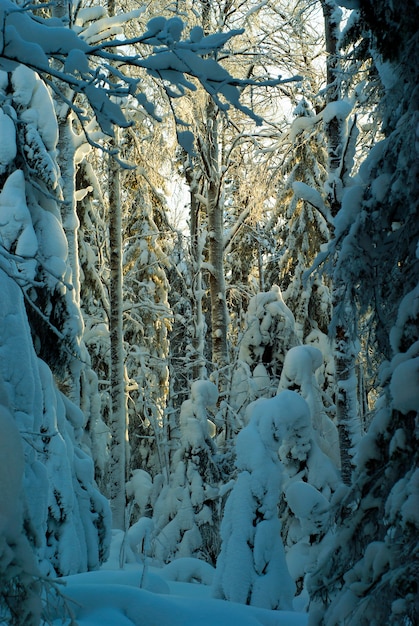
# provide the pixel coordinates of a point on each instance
(118, 418)
(199, 326)
(219, 316)
(119, 410)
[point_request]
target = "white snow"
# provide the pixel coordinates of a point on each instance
(12, 466)
(301, 124)
(340, 109)
(307, 193)
(118, 600)
(404, 386)
(8, 141)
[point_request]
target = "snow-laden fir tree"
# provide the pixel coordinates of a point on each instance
(301, 225)
(147, 323)
(251, 567)
(31, 197)
(310, 479)
(186, 512)
(369, 574)
(66, 519)
(299, 373)
(269, 333)
(368, 570)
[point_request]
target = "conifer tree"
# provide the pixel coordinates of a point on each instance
(61, 504)
(186, 511)
(369, 572)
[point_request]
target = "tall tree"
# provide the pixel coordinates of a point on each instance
(344, 325)
(371, 575)
(67, 509)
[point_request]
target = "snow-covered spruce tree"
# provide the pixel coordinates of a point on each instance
(302, 225)
(269, 332)
(147, 323)
(369, 574)
(310, 478)
(186, 511)
(301, 365)
(251, 567)
(65, 518)
(29, 158)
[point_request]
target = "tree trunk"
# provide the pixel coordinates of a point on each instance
(343, 309)
(119, 410)
(118, 419)
(199, 326)
(219, 316)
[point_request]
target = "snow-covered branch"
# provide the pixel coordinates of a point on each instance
(95, 70)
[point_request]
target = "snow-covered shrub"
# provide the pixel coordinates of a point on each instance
(251, 567)
(310, 480)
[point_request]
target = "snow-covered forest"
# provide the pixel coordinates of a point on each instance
(209, 306)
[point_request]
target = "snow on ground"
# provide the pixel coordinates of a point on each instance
(150, 596)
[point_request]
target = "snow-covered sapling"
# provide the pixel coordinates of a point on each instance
(251, 568)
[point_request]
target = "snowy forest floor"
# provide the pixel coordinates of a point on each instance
(142, 595)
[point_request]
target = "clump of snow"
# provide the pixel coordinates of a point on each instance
(16, 229)
(140, 487)
(407, 313)
(139, 536)
(404, 386)
(351, 203)
(189, 570)
(205, 393)
(300, 124)
(309, 506)
(23, 82)
(340, 109)
(8, 147)
(42, 114)
(298, 373)
(309, 194)
(53, 245)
